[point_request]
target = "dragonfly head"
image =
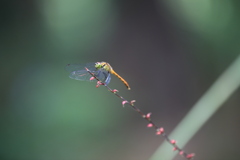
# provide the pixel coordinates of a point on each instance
(98, 65)
(102, 65)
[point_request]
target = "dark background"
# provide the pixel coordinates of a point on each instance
(170, 52)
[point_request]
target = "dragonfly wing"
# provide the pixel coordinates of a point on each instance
(84, 75)
(103, 76)
(79, 72)
(107, 81)
(81, 75)
(78, 67)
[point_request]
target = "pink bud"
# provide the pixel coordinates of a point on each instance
(149, 125)
(159, 131)
(132, 101)
(100, 83)
(124, 102)
(92, 78)
(181, 152)
(175, 148)
(190, 155)
(148, 115)
(114, 91)
(173, 141)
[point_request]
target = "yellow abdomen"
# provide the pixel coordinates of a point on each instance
(108, 68)
(121, 79)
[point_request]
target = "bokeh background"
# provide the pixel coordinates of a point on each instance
(170, 52)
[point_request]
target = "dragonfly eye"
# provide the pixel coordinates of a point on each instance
(98, 65)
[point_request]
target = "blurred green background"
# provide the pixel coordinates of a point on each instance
(170, 52)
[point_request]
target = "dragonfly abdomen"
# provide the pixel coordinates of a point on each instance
(121, 79)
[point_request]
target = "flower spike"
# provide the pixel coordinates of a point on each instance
(158, 131)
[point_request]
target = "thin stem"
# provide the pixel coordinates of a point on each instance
(159, 130)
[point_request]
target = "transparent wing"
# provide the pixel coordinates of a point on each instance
(81, 75)
(78, 72)
(103, 76)
(78, 67)
(107, 81)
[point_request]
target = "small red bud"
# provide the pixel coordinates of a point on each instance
(114, 91)
(86, 68)
(181, 152)
(159, 131)
(132, 101)
(190, 155)
(100, 83)
(173, 141)
(124, 102)
(149, 125)
(92, 78)
(148, 115)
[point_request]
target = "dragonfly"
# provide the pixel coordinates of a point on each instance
(102, 70)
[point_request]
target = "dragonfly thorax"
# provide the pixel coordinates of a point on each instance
(103, 65)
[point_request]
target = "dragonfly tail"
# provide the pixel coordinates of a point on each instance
(123, 80)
